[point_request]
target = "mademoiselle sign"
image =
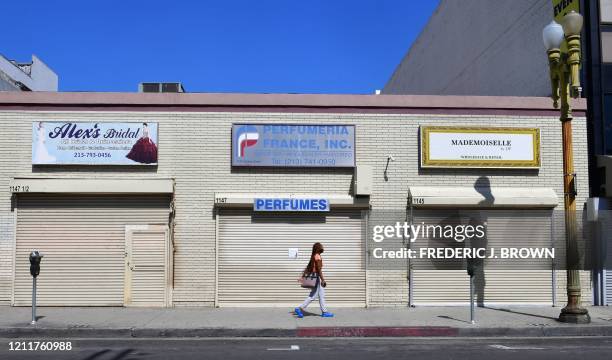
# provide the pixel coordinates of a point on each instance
(480, 147)
(93, 143)
(283, 145)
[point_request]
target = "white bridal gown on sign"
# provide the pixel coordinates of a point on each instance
(41, 155)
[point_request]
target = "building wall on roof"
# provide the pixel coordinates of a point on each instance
(36, 76)
(478, 47)
(6, 84)
(194, 148)
(44, 78)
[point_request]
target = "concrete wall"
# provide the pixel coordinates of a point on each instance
(195, 149)
(6, 84)
(44, 78)
(478, 47)
(38, 77)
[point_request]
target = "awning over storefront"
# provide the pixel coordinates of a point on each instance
(92, 186)
(482, 197)
(238, 200)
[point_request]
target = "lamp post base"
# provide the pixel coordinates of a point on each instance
(575, 316)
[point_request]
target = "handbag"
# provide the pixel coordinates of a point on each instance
(309, 281)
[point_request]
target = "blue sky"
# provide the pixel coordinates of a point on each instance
(263, 46)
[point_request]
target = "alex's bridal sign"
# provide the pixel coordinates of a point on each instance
(88, 143)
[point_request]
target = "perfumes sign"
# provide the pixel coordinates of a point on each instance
(88, 143)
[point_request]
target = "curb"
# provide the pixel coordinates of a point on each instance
(213, 332)
(537, 331)
(412, 331)
(407, 331)
(34, 332)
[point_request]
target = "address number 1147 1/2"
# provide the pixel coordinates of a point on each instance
(19, 188)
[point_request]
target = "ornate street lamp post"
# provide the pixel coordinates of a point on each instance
(565, 81)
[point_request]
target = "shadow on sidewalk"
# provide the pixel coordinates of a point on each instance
(520, 313)
(306, 313)
(452, 318)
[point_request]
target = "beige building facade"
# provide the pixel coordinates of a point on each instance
(184, 233)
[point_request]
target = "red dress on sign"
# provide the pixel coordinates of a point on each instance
(144, 151)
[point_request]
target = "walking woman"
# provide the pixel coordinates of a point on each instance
(315, 267)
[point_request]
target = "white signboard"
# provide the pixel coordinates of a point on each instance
(471, 147)
(293, 253)
(94, 143)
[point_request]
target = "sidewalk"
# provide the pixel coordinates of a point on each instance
(279, 322)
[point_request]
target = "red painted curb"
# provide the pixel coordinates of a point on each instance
(377, 331)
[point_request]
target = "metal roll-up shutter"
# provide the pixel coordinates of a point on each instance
(607, 237)
(608, 289)
(505, 228)
(254, 268)
(82, 238)
(605, 233)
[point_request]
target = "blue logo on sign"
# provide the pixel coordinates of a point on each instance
(291, 205)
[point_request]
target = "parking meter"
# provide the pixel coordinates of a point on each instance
(471, 267)
(35, 258)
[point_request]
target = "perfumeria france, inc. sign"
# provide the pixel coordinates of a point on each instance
(93, 143)
(480, 147)
(288, 145)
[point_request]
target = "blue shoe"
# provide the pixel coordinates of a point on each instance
(327, 314)
(298, 312)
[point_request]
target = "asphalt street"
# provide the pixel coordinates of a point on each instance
(591, 348)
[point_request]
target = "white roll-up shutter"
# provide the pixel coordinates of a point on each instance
(82, 238)
(505, 228)
(608, 290)
(605, 231)
(607, 236)
(254, 267)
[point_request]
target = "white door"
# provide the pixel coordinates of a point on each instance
(147, 266)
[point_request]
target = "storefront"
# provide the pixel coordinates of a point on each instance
(599, 218)
(261, 256)
(518, 217)
(240, 187)
(104, 244)
(608, 281)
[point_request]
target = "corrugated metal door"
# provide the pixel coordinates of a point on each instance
(82, 238)
(147, 265)
(606, 235)
(254, 268)
(608, 287)
(505, 228)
